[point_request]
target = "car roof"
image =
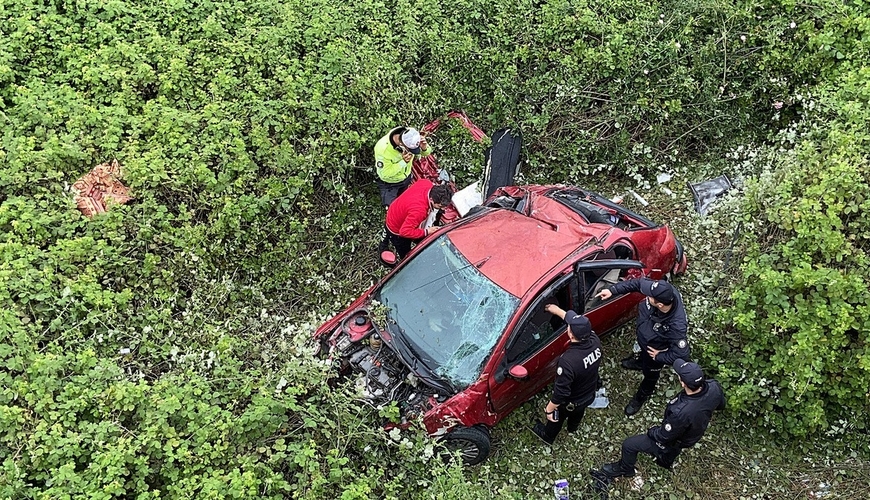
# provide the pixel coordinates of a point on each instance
(516, 250)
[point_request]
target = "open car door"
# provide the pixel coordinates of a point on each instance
(501, 165)
(596, 275)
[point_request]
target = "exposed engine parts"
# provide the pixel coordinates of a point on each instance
(380, 379)
(380, 376)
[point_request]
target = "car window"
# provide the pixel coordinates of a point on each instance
(540, 327)
(601, 278)
(577, 201)
(450, 313)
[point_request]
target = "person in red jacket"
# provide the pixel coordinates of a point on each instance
(406, 215)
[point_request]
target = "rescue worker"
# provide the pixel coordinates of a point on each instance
(661, 331)
(406, 215)
(686, 419)
(394, 155)
(576, 377)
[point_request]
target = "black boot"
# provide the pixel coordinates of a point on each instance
(616, 470)
(540, 430)
(635, 404)
(632, 362)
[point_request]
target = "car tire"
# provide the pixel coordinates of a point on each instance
(472, 443)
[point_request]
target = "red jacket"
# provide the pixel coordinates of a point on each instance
(407, 213)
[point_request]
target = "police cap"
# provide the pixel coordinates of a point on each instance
(580, 325)
(690, 373)
(660, 290)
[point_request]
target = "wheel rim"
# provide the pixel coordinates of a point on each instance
(467, 449)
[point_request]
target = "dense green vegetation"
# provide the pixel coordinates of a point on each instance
(244, 127)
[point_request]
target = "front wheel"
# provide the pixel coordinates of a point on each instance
(472, 443)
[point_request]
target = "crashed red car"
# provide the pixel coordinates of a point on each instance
(461, 338)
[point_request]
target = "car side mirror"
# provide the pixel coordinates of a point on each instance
(518, 372)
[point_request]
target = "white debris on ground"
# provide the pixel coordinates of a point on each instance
(638, 197)
(601, 400)
(637, 483)
(662, 178)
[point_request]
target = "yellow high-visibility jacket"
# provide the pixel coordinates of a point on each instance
(388, 159)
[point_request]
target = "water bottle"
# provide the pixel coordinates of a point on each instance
(560, 490)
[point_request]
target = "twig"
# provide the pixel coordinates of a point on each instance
(725, 53)
(687, 132)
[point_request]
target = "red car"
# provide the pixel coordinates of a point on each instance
(457, 334)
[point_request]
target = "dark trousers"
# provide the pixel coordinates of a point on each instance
(400, 243)
(391, 190)
(573, 418)
(652, 370)
(664, 455)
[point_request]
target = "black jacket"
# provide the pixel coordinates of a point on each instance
(687, 416)
(659, 330)
(577, 372)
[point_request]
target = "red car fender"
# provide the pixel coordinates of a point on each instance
(671, 246)
(469, 407)
(330, 326)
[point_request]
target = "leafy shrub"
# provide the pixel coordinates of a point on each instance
(802, 307)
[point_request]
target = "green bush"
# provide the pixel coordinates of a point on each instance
(98, 427)
(802, 305)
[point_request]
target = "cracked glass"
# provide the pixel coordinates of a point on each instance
(448, 311)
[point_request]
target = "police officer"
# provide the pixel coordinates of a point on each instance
(661, 331)
(576, 376)
(686, 419)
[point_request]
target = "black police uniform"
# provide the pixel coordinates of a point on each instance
(575, 384)
(686, 419)
(662, 331)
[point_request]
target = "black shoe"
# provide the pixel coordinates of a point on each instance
(600, 483)
(663, 465)
(633, 406)
(631, 363)
(538, 430)
(615, 470)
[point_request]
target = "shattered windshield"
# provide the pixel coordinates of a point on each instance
(450, 313)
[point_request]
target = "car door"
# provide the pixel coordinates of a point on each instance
(536, 342)
(595, 275)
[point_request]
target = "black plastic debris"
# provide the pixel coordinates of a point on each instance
(706, 192)
(502, 160)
